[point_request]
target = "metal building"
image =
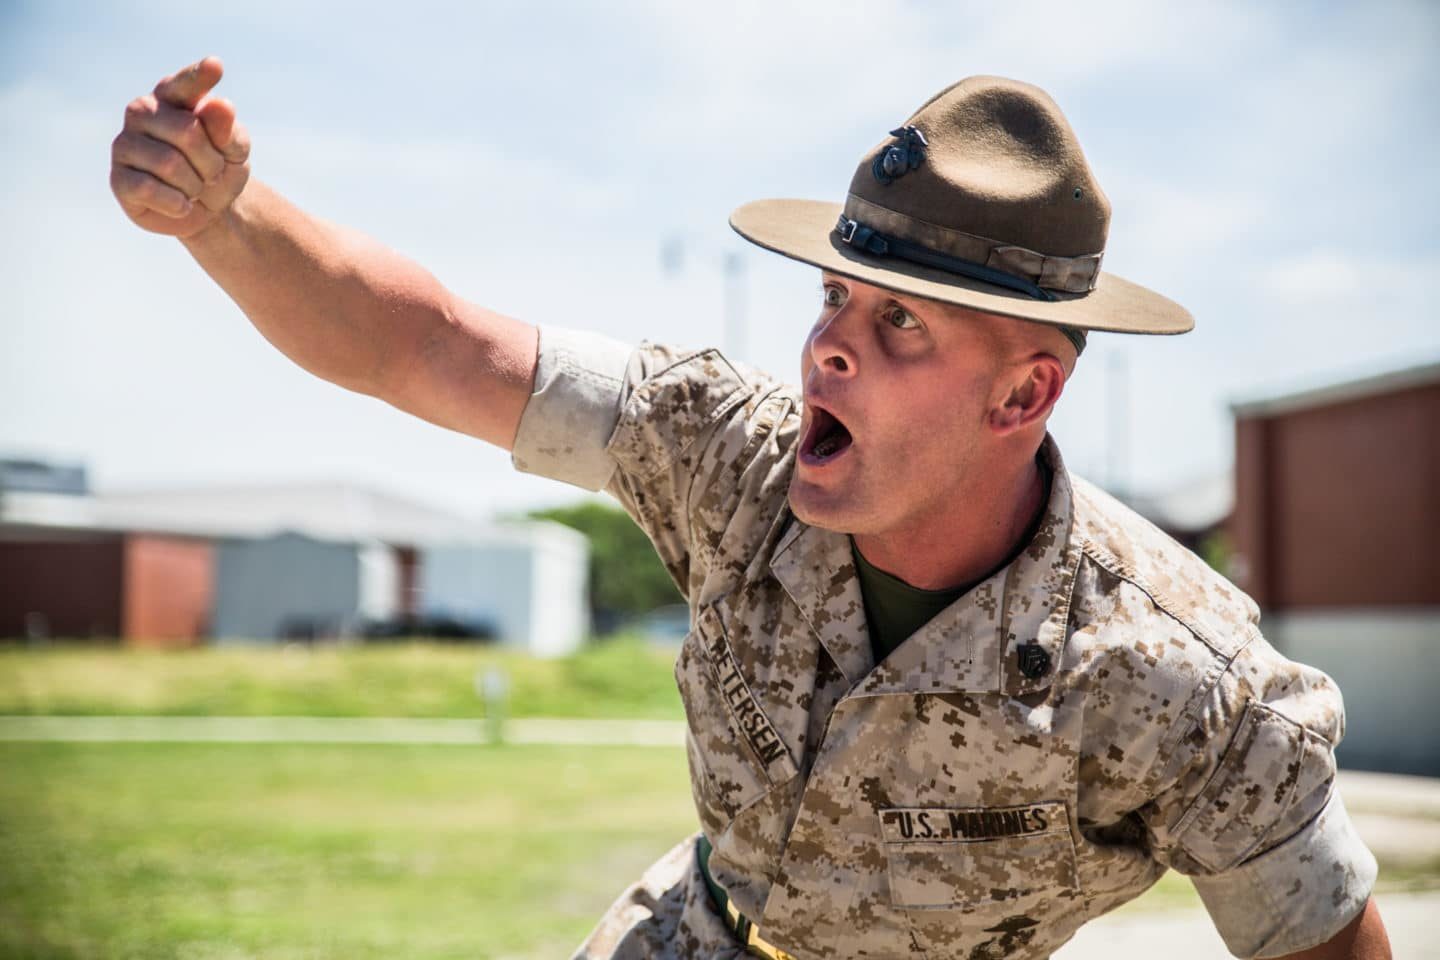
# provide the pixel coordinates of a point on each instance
(261, 563)
(525, 580)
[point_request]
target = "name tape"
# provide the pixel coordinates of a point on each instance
(968, 824)
(752, 721)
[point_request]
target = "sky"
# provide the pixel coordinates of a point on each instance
(1271, 167)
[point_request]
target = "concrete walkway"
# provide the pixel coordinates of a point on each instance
(1399, 819)
(1412, 919)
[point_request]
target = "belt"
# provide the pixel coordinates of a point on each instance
(748, 933)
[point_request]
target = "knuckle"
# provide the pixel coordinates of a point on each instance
(140, 108)
(189, 135)
(151, 192)
(239, 150)
(199, 143)
(128, 185)
(170, 163)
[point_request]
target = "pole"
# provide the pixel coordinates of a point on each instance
(734, 270)
(1118, 454)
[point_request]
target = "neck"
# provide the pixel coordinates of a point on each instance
(967, 543)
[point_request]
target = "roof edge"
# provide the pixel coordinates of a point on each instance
(1390, 381)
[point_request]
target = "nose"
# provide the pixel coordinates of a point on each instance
(831, 346)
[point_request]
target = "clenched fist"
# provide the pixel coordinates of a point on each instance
(181, 159)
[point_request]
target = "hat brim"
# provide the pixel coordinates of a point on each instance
(804, 230)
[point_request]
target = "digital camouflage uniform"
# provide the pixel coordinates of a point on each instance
(944, 803)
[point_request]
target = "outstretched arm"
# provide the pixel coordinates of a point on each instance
(342, 306)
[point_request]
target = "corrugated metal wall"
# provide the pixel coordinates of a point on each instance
(287, 585)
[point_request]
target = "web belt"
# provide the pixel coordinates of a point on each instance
(745, 931)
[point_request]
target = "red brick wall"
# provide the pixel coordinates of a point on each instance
(408, 560)
(168, 590)
(1339, 505)
(1249, 531)
(74, 586)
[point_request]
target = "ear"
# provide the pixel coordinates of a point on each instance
(1029, 394)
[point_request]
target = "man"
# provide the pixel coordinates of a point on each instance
(944, 699)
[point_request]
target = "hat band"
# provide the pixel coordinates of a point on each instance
(876, 243)
(1061, 274)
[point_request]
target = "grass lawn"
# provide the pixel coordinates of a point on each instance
(229, 851)
(310, 852)
(617, 678)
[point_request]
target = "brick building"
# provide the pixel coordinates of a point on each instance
(255, 564)
(1336, 532)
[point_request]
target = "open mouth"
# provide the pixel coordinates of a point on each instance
(826, 439)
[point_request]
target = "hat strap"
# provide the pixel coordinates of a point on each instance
(879, 244)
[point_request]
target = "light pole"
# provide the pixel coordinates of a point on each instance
(733, 320)
(1118, 436)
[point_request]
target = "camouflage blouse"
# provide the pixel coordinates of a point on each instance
(1102, 709)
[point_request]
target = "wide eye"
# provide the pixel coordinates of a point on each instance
(900, 318)
(834, 295)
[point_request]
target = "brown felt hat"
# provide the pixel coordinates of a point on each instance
(983, 199)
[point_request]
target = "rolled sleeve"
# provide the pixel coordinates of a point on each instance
(1296, 895)
(1252, 815)
(568, 421)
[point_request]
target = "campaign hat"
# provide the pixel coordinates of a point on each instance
(982, 198)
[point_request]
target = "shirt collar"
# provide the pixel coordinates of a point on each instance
(971, 646)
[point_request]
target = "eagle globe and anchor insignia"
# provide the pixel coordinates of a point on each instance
(901, 157)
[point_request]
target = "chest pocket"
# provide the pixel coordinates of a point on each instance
(1000, 859)
(736, 754)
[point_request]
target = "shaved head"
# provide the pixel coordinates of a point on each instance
(1016, 341)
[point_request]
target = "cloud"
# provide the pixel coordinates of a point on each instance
(1325, 275)
(1267, 165)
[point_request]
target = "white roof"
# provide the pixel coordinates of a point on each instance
(1391, 381)
(322, 511)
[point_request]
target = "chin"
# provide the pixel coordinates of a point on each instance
(826, 509)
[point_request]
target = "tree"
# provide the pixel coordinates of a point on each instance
(626, 577)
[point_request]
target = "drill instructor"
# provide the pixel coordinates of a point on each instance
(945, 699)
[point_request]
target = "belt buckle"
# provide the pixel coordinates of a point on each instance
(761, 947)
(846, 228)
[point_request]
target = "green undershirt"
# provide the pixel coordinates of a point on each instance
(894, 609)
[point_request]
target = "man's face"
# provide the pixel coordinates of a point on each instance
(898, 391)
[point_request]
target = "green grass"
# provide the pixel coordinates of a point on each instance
(310, 852)
(190, 851)
(620, 678)
(304, 852)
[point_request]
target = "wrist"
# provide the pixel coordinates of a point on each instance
(219, 228)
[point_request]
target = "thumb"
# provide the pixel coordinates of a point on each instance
(218, 116)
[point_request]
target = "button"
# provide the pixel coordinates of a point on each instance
(1033, 660)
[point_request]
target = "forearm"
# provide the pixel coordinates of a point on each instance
(339, 304)
(1364, 938)
(342, 306)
